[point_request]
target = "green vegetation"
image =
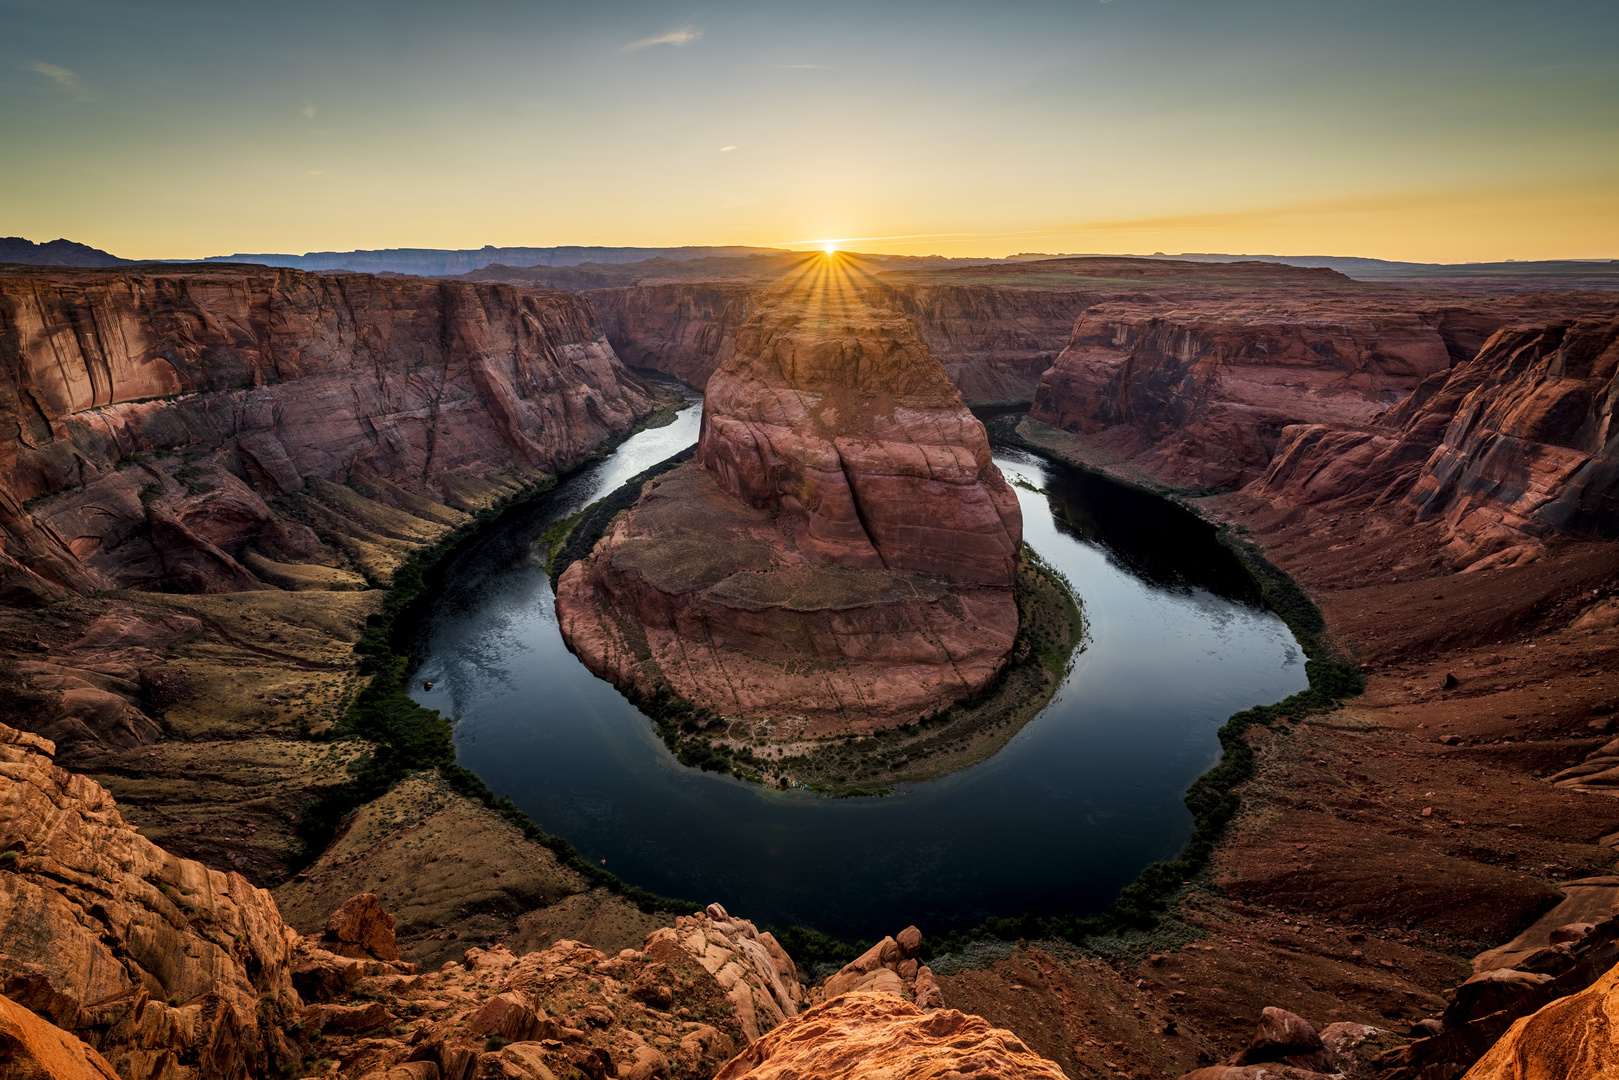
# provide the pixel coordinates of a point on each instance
(1142, 918)
(407, 738)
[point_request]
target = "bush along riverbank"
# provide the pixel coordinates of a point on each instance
(1142, 918)
(407, 738)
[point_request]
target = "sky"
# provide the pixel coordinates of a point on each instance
(1426, 130)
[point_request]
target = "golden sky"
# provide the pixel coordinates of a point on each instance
(1426, 130)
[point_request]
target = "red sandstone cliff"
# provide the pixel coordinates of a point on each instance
(841, 555)
(1505, 451)
(152, 413)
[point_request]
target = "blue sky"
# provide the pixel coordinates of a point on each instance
(1428, 130)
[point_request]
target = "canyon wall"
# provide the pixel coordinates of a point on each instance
(152, 416)
(1360, 401)
(994, 342)
(1505, 451)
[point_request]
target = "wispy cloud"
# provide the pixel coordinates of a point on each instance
(726, 149)
(684, 35)
(61, 76)
(308, 111)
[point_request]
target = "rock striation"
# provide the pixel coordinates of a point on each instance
(840, 555)
(1572, 1036)
(884, 1038)
(153, 415)
(1503, 452)
(166, 967)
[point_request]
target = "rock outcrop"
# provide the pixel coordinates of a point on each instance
(840, 556)
(892, 966)
(33, 1049)
(153, 413)
(168, 968)
(884, 1038)
(1573, 1036)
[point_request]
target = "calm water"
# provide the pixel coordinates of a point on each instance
(1061, 819)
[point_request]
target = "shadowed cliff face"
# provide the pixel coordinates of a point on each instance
(842, 553)
(152, 414)
(993, 342)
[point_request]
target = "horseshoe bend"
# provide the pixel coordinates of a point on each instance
(778, 585)
(841, 554)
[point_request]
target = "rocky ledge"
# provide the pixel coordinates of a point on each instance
(841, 555)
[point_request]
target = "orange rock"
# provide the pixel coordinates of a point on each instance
(879, 1037)
(1571, 1037)
(34, 1049)
(361, 928)
(160, 962)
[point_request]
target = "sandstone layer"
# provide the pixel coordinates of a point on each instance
(840, 556)
(880, 1037)
(1505, 451)
(153, 414)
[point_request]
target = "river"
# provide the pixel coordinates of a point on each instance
(1059, 820)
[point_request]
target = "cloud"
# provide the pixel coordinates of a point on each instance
(682, 36)
(61, 76)
(804, 67)
(726, 149)
(308, 111)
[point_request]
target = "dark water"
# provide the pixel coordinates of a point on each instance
(1061, 819)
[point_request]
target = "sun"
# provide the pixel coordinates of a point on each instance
(830, 249)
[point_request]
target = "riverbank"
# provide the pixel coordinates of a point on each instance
(1380, 846)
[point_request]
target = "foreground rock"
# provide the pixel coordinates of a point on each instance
(883, 1038)
(1573, 1036)
(167, 967)
(841, 555)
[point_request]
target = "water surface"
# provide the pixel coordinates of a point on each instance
(1059, 820)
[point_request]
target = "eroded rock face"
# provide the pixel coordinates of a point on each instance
(152, 414)
(1572, 1036)
(33, 1049)
(879, 1035)
(168, 968)
(1506, 450)
(1200, 394)
(840, 556)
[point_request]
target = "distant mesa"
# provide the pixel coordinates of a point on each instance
(841, 555)
(16, 250)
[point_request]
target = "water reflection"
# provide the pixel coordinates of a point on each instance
(1062, 818)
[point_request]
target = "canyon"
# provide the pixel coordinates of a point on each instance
(207, 474)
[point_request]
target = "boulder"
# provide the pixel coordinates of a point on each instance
(1286, 1038)
(35, 1049)
(360, 928)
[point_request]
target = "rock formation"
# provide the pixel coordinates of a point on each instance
(883, 1038)
(840, 556)
(165, 966)
(152, 414)
(1572, 1036)
(34, 1049)
(1504, 451)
